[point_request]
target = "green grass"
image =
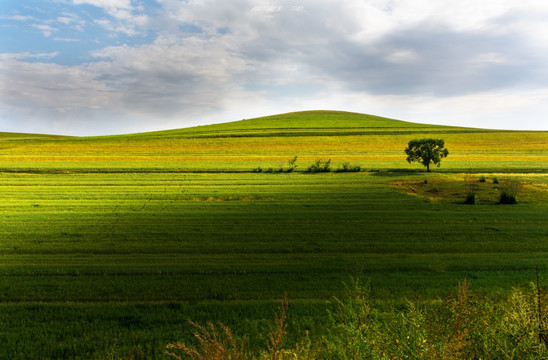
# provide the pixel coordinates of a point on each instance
(136, 233)
(364, 140)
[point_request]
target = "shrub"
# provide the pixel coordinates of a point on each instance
(495, 180)
(472, 198)
(291, 165)
(509, 192)
(482, 179)
(320, 166)
(347, 167)
(507, 198)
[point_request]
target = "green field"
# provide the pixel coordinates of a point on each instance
(108, 244)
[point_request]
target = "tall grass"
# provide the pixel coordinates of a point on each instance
(461, 326)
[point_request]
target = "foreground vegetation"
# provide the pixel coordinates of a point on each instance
(461, 326)
(110, 244)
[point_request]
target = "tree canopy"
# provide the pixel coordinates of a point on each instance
(426, 151)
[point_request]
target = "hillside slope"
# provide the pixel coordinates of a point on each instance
(303, 123)
(369, 141)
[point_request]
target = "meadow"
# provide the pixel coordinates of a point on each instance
(109, 244)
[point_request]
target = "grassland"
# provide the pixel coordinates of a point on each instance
(109, 243)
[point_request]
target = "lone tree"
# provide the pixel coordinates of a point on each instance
(426, 151)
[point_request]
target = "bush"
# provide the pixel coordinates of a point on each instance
(320, 166)
(472, 199)
(507, 198)
(347, 167)
(291, 165)
(482, 179)
(495, 180)
(509, 193)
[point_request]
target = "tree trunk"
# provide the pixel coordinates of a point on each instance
(427, 167)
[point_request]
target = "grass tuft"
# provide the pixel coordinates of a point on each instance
(214, 343)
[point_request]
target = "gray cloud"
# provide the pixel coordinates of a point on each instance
(422, 59)
(433, 61)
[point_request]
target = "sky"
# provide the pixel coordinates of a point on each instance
(97, 67)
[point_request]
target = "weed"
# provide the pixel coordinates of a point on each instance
(462, 326)
(214, 343)
(351, 324)
(219, 343)
(277, 333)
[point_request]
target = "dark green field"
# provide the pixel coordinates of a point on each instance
(108, 244)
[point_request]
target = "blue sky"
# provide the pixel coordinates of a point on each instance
(91, 67)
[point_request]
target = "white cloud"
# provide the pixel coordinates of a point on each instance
(65, 39)
(6, 58)
(106, 4)
(72, 20)
(127, 18)
(46, 30)
(19, 17)
(267, 9)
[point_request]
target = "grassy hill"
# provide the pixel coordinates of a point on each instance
(370, 141)
(108, 244)
(304, 123)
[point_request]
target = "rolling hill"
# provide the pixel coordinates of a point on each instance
(373, 142)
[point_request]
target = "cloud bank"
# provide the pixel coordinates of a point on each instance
(147, 65)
